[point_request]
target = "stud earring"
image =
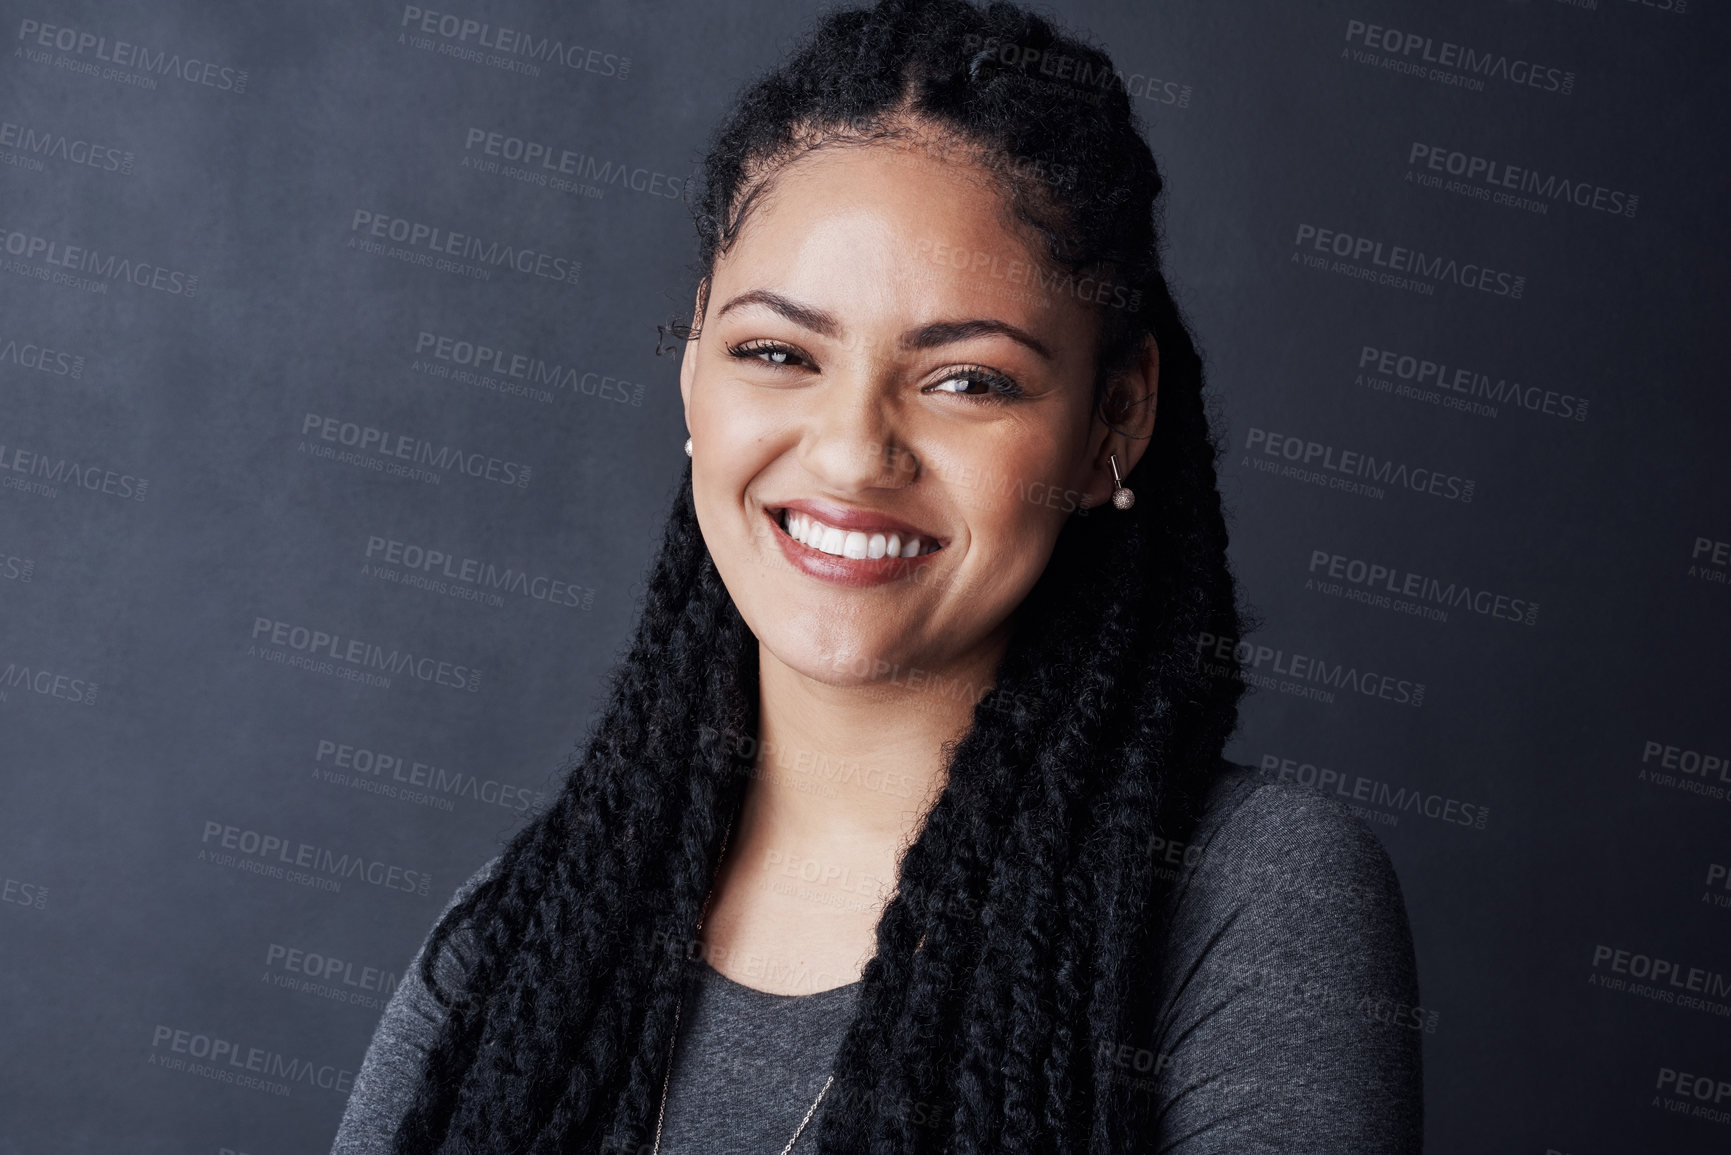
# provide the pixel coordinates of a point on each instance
(688, 447)
(1122, 498)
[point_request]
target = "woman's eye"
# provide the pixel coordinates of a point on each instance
(980, 383)
(768, 352)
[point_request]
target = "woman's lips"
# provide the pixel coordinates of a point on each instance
(844, 571)
(850, 519)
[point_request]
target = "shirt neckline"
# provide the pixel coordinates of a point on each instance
(714, 976)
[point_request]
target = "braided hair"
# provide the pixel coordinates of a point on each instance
(1014, 957)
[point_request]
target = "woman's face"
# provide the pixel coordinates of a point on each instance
(878, 369)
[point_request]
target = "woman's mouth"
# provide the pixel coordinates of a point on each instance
(864, 556)
(855, 544)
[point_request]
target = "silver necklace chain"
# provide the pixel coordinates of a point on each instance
(667, 1076)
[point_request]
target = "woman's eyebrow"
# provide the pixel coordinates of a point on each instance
(944, 332)
(925, 337)
(805, 316)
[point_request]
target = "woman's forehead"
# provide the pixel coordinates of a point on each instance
(906, 181)
(882, 223)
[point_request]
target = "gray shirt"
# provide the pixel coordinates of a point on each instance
(748, 1065)
(1289, 1017)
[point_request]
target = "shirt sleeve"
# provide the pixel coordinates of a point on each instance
(391, 1071)
(1290, 1020)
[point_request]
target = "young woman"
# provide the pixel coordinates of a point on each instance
(905, 826)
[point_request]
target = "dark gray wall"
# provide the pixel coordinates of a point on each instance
(210, 841)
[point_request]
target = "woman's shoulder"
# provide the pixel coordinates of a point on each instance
(1285, 877)
(1288, 1011)
(407, 1030)
(1280, 836)
(481, 874)
(453, 964)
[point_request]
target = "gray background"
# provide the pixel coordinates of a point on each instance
(160, 501)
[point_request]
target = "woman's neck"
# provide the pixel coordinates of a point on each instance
(844, 776)
(864, 759)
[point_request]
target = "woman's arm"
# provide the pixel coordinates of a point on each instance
(1291, 1020)
(391, 1071)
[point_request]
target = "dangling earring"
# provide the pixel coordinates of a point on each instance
(688, 447)
(1122, 498)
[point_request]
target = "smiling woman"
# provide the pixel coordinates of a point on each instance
(906, 827)
(848, 380)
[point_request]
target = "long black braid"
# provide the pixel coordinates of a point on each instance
(1014, 958)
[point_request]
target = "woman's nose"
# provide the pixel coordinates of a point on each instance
(853, 437)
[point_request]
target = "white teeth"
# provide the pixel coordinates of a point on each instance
(845, 543)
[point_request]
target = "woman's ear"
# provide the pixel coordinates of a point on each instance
(1123, 424)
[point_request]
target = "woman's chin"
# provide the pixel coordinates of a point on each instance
(849, 665)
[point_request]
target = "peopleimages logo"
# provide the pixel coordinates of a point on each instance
(1701, 1096)
(29, 147)
(227, 1061)
(41, 358)
(368, 439)
(1399, 266)
(90, 47)
(45, 258)
(1674, 7)
(1688, 771)
(1303, 674)
(21, 893)
(508, 48)
(46, 683)
(1100, 291)
(1356, 788)
(1693, 763)
(1667, 974)
(1718, 879)
(275, 851)
(42, 474)
(1453, 387)
(1449, 63)
(1089, 78)
(434, 244)
(14, 568)
(1348, 469)
(1392, 587)
(390, 559)
(328, 977)
(1499, 183)
(531, 375)
(400, 775)
(1710, 560)
(314, 646)
(563, 169)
